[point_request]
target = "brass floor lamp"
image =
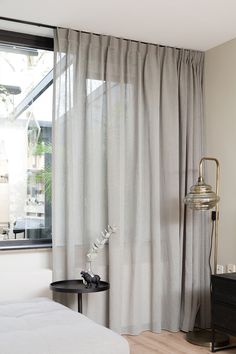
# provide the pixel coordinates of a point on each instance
(202, 197)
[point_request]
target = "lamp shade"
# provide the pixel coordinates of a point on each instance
(201, 196)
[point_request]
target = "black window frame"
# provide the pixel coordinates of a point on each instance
(36, 42)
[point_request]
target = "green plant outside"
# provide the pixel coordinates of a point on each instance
(44, 176)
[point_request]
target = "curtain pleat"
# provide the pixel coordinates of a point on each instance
(128, 127)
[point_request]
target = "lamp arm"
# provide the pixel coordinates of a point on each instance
(217, 170)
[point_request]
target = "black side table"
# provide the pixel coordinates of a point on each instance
(77, 286)
(223, 299)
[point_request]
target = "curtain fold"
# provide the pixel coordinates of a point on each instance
(128, 126)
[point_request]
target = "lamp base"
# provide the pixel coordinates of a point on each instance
(203, 337)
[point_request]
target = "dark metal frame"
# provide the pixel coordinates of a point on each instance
(36, 42)
(26, 40)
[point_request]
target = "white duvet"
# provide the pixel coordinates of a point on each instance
(42, 326)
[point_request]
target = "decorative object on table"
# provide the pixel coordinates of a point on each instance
(202, 197)
(98, 245)
(89, 280)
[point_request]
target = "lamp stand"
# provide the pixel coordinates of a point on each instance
(203, 338)
(203, 199)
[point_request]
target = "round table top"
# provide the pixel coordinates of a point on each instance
(77, 286)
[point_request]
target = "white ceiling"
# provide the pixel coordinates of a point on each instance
(193, 24)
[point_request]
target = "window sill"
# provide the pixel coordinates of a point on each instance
(24, 244)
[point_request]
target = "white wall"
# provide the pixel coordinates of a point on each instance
(220, 104)
(25, 274)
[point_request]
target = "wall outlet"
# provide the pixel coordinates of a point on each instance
(219, 269)
(231, 268)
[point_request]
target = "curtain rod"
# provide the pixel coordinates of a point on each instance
(97, 34)
(27, 22)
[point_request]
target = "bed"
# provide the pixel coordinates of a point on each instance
(42, 326)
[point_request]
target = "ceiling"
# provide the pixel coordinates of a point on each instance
(193, 24)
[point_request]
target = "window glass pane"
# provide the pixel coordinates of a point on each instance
(21, 71)
(25, 143)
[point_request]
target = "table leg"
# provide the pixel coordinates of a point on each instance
(80, 308)
(213, 340)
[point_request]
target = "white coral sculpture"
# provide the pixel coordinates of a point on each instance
(100, 242)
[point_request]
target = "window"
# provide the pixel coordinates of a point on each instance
(26, 75)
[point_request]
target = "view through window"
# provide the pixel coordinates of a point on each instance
(25, 144)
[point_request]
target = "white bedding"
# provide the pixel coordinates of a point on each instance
(42, 326)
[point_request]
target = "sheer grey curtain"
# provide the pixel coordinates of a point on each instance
(127, 142)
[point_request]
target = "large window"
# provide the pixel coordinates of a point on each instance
(26, 73)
